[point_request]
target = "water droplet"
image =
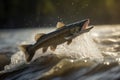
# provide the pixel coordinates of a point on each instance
(72, 61)
(60, 66)
(118, 59)
(107, 63)
(85, 60)
(72, 3)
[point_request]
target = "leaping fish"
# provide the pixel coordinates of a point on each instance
(64, 33)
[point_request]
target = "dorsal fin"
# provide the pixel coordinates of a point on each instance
(38, 36)
(60, 24)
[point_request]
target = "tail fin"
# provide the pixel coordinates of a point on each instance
(28, 54)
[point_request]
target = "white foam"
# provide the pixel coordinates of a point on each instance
(81, 46)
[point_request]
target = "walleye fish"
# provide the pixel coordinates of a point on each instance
(64, 33)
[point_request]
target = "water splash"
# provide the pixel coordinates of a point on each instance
(82, 46)
(81, 60)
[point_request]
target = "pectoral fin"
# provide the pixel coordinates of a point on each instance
(38, 36)
(69, 41)
(53, 47)
(44, 49)
(60, 24)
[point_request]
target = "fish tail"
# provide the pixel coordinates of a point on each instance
(28, 53)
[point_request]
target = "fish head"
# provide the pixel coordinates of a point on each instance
(79, 26)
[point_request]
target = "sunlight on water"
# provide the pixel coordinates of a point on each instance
(107, 63)
(90, 56)
(81, 47)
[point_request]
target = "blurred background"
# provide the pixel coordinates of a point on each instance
(46, 13)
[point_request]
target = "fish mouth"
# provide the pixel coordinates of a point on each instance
(85, 25)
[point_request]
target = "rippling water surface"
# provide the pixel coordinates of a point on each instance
(91, 56)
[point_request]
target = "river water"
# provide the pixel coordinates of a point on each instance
(90, 56)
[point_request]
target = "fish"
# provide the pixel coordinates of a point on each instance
(63, 33)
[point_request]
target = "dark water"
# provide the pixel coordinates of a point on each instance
(91, 56)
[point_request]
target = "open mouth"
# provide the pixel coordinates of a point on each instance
(85, 26)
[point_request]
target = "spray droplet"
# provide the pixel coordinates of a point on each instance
(72, 3)
(72, 61)
(107, 63)
(85, 60)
